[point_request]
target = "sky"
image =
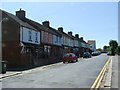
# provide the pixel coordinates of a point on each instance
(91, 20)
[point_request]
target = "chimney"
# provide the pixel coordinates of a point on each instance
(21, 14)
(70, 33)
(46, 23)
(77, 35)
(60, 29)
(81, 38)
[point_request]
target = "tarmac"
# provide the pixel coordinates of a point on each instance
(13, 73)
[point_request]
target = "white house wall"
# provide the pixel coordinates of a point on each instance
(57, 40)
(54, 39)
(24, 35)
(76, 43)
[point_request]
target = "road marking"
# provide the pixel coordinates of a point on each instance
(107, 82)
(98, 80)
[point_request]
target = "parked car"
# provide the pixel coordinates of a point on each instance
(96, 53)
(86, 55)
(69, 57)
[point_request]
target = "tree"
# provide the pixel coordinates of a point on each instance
(106, 48)
(118, 50)
(113, 46)
(99, 49)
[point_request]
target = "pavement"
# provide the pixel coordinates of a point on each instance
(13, 73)
(8, 74)
(106, 81)
(111, 76)
(115, 70)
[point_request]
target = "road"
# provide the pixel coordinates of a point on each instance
(72, 75)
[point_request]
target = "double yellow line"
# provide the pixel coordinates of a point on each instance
(97, 82)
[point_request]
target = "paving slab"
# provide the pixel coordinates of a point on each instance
(8, 74)
(114, 72)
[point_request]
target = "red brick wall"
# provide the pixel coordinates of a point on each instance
(10, 42)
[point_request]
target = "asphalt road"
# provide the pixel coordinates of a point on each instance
(73, 75)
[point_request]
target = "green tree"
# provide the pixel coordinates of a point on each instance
(113, 46)
(118, 50)
(106, 48)
(99, 49)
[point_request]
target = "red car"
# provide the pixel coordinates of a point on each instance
(69, 57)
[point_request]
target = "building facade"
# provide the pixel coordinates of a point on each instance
(92, 44)
(19, 41)
(27, 43)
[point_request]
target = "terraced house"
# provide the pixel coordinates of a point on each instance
(57, 41)
(19, 41)
(84, 47)
(27, 43)
(49, 49)
(67, 42)
(75, 47)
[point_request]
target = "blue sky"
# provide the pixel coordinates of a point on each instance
(91, 20)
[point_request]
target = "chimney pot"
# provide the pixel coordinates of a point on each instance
(77, 35)
(60, 29)
(21, 14)
(70, 33)
(46, 23)
(81, 38)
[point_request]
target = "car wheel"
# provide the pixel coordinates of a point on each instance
(74, 61)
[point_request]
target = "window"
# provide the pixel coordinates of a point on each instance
(30, 35)
(36, 37)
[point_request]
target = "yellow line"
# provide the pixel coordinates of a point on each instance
(97, 82)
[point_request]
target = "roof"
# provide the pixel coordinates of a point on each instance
(91, 41)
(63, 33)
(36, 25)
(42, 27)
(22, 23)
(55, 31)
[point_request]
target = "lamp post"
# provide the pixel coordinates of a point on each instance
(4, 19)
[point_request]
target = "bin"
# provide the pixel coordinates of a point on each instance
(4, 67)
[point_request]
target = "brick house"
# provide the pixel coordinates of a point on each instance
(67, 42)
(19, 41)
(50, 40)
(75, 47)
(92, 44)
(57, 41)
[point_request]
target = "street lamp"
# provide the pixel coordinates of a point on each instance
(3, 20)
